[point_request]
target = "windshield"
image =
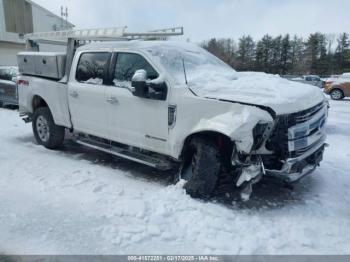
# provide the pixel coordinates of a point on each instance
(199, 64)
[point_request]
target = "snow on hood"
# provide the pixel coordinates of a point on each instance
(280, 94)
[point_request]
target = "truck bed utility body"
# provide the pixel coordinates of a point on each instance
(171, 105)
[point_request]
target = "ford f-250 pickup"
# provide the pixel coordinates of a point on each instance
(172, 105)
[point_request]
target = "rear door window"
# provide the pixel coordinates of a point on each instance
(92, 67)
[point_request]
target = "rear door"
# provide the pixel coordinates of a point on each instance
(136, 121)
(86, 94)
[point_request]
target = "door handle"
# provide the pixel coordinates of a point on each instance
(112, 100)
(74, 94)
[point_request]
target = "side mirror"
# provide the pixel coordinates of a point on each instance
(138, 84)
(141, 87)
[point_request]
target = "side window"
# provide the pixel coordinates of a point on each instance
(5, 74)
(127, 64)
(92, 68)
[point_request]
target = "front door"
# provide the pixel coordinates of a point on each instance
(141, 122)
(86, 94)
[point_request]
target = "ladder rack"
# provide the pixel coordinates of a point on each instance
(104, 34)
(72, 39)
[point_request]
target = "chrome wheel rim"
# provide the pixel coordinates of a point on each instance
(43, 128)
(336, 94)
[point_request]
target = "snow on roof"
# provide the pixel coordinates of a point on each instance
(139, 44)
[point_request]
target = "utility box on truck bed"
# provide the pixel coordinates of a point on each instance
(43, 64)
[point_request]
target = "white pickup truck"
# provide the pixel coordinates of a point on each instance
(172, 105)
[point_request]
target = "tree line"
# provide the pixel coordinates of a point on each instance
(319, 54)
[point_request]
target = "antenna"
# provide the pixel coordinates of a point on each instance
(64, 17)
(183, 65)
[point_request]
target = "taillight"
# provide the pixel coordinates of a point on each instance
(22, 82)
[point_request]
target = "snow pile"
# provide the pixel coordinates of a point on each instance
(94, 81)
(282, 95)
(80, 201)
(207, 76)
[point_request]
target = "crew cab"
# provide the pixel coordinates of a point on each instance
(174, 106)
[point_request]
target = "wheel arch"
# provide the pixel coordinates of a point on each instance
(223, 141)
(38, 101)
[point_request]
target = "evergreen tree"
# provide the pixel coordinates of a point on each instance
(342, 53)
(286, 55)
(263, 56)
(283, 55)
(246, 53)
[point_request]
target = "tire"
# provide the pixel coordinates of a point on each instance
(46, 132)
(202, 168)
(337, 94)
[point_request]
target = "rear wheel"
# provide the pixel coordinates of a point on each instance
(46, 132)
(337, 94)
(202, 168)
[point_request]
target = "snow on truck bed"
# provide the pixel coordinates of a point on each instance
(79, 201)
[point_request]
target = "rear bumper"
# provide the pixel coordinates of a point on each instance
(294, 169)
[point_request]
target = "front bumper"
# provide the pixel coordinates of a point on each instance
(294, 169)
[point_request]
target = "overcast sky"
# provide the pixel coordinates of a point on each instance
(203, 19)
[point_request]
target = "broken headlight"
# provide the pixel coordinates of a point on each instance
(260, 133)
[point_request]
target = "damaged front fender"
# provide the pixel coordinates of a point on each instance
(238, 124)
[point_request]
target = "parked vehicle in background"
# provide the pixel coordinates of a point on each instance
(174, 106)
(8, 85)
(310, 79)
(338, 88)
(329, 80)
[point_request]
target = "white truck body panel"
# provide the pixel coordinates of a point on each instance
(53, 92)
(143, 122)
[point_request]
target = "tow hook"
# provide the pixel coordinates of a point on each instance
(26, 118)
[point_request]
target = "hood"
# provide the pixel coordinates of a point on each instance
(280, 94)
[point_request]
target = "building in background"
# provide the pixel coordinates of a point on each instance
(20, 17)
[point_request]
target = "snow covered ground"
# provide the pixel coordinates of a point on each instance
(80, 201)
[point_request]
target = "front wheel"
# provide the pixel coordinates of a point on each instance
(337, 94)
(201, 169)
(46, 132)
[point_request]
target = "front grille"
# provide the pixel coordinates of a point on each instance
(296, 133)
(302, 116)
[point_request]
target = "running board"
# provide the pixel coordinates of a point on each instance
(126, 154)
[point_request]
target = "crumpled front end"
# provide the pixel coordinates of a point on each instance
(298, 142)
(288, 149)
